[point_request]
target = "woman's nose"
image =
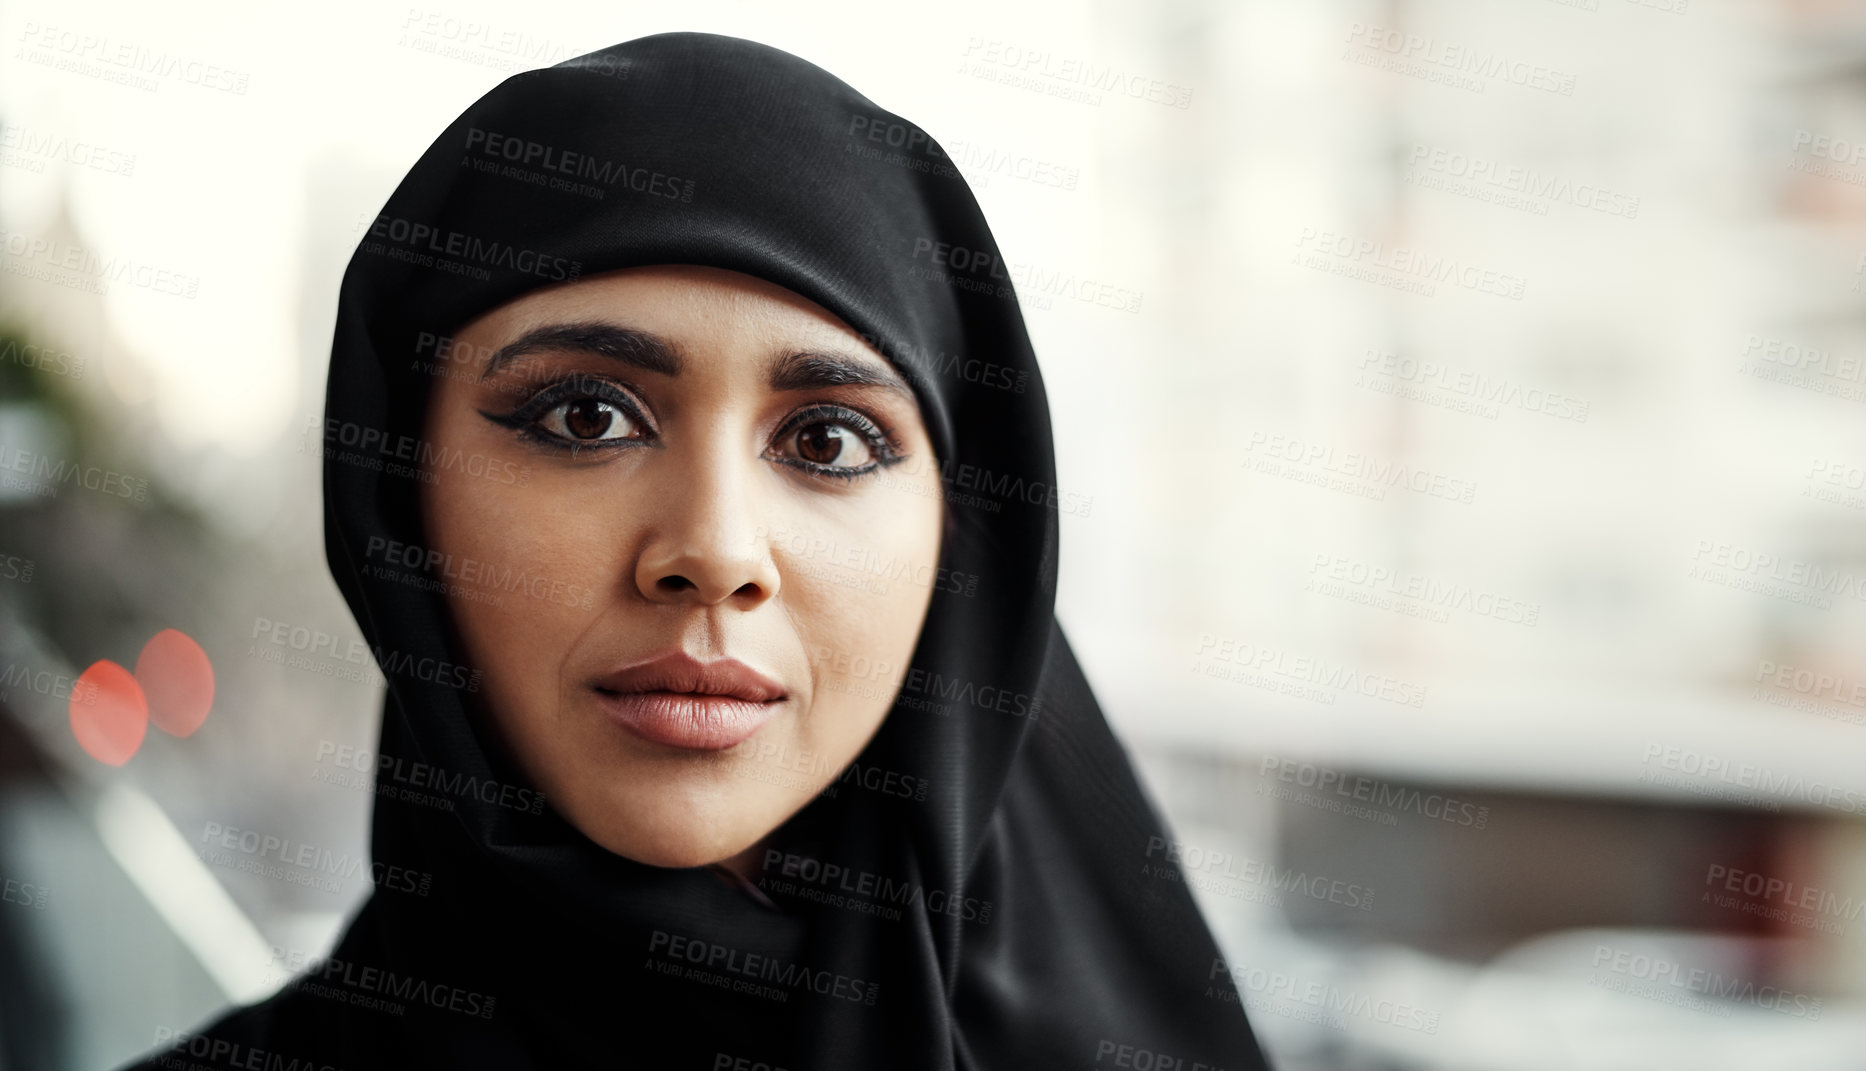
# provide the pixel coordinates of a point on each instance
(705, 543)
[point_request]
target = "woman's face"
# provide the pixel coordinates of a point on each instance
(689, 524)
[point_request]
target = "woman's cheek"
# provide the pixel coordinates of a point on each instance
(858, 637)
(491, 560)
(526, 548)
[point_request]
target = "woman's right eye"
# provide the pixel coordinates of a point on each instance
(577, 413)
(588, 419)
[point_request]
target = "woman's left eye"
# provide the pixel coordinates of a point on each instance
(831, 444)
(834, 442)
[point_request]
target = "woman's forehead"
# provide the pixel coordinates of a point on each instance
(674, 300)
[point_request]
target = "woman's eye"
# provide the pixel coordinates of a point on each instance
(588, 420)
(577, 413)
(832, 445)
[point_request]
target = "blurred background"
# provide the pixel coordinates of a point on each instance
(1461, 419)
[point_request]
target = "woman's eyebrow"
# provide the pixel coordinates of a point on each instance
(642, 349)
(793, 371)
(815, 369)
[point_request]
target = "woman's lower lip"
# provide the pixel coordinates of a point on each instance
(691, 720)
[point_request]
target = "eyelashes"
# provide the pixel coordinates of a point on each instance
(815, 430)
(581, 414)
(577, 404)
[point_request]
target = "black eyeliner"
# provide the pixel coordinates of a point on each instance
(887, 450)
(523, 420)
(523, 417)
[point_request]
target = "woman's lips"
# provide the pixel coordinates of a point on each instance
(692, 720)
(675, 699)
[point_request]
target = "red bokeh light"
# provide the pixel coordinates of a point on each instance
(109, 715)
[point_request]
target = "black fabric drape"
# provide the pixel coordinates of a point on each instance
(1034, 933)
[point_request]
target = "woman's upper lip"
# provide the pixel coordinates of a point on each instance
(678, 671)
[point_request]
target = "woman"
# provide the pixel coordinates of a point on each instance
(691, 475)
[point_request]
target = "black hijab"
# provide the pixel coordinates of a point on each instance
(986, 885)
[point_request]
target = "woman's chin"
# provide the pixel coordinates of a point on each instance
(677, 847)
